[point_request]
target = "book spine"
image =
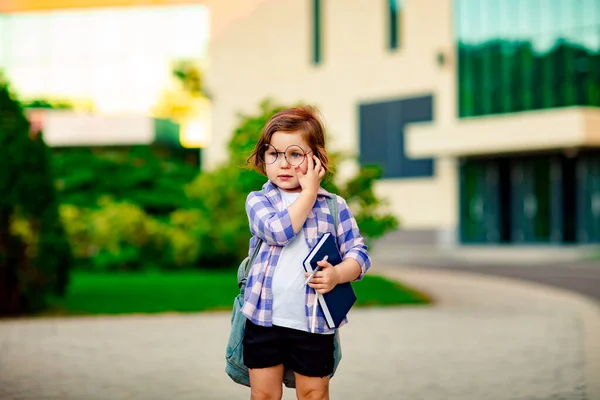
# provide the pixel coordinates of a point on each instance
(326, 312)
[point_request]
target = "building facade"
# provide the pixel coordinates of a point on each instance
(113, 57)
(110, 60)
(484, 114)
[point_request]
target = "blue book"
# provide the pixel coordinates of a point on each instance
(336, 303)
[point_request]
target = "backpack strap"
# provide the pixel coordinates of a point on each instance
(249, 261)
(245, 269)
(333, 209)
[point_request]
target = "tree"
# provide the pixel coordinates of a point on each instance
(187, 103)
(186, 98)
(35, 256)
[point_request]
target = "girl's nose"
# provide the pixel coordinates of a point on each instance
(284, 162)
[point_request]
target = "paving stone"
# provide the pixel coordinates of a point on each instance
(388, 353)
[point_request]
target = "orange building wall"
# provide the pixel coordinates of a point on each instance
(10, 6)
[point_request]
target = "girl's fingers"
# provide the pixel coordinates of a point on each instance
(311, 163)
(317, 163)
(319, 286)
(320, 281)
(321, 172)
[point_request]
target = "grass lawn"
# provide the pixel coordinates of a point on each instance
(191, 291)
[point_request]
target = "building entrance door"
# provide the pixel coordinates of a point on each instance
(533, 182)
(479, 202)
(588, 182)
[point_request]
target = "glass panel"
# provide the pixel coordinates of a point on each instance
(494, 77)
(594, 92)
(486, 82)
(569, 55)
(550, 16)
(475, 40)
(571, 16)
(464, 72)
(581, 69)
(473, 201)
(459, 27)
(590, 10)
(586, 70)
(562, 81)
(470, 204)
(393, 24)
(591, 39)
(594, 191)
(316, 31)
(551, 52)
(519, 55)
(523, 89)
(471, 21)
(479, 201)
(507, 55)
(542, 190)
(463, 67)
(467, 26)
(588, 219)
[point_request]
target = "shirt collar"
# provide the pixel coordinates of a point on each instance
(274, 197)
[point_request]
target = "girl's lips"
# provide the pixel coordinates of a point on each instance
(285, 177)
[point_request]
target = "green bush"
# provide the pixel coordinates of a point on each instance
(35, 257)
(120, 236)
(150, 177)
(210, 228)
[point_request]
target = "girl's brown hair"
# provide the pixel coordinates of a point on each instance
(303, 119)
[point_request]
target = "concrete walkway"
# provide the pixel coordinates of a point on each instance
(485, 339)
(560, 326)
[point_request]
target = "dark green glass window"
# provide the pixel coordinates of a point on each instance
(517, 55)
(394, 23)
(316, 11)
(382, 140)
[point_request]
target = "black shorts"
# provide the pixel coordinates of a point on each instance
(309, 354)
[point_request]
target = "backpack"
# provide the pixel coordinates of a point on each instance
(234, 355)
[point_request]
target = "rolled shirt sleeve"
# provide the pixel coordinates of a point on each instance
(273, 227)
(350, 241)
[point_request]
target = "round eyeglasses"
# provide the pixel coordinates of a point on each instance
(294, 155)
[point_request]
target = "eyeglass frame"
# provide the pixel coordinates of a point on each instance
(277, 153)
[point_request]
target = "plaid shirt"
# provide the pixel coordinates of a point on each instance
(270, 221)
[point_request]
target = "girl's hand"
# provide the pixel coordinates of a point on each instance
(324, 280)
(311, 180)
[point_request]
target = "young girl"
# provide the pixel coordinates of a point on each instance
(289, 215)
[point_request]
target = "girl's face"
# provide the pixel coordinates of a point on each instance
(281, 172)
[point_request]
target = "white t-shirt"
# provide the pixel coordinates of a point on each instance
(288, 279)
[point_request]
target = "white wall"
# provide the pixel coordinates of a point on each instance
(267, 53)
(67, 128)
(550, 129)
